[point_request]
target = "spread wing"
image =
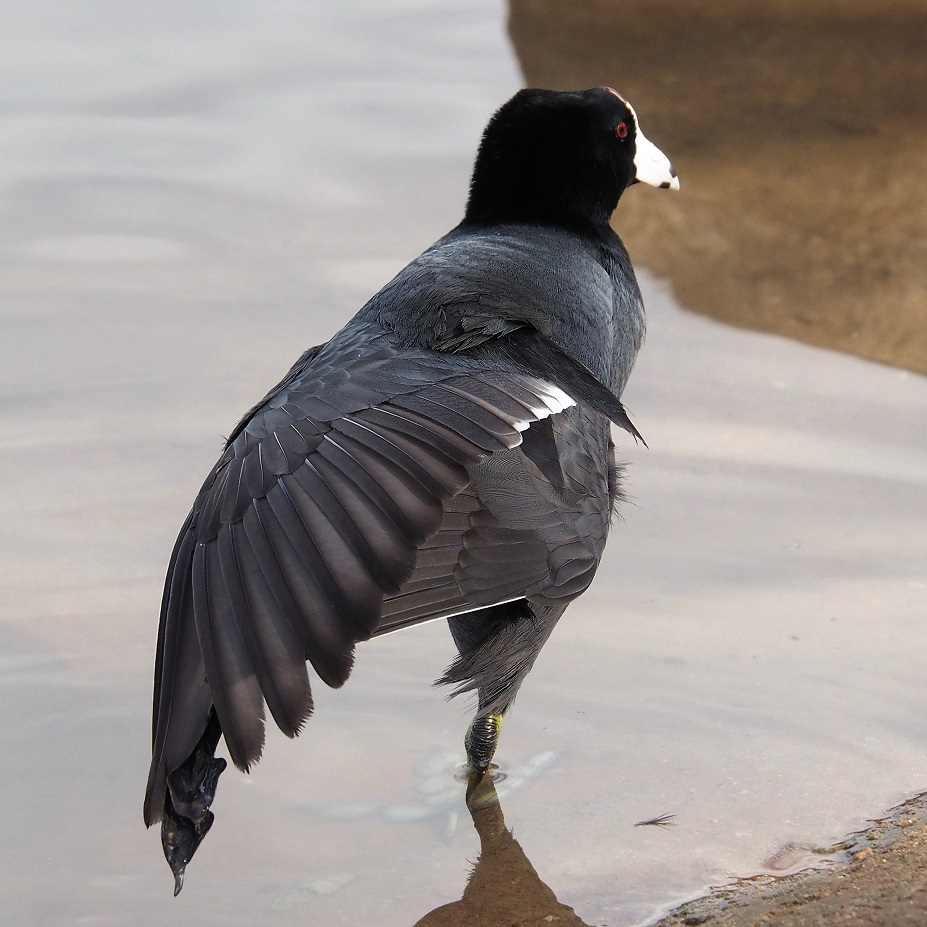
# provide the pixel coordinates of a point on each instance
(314, 514)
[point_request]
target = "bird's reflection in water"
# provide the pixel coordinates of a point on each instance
(504, 887)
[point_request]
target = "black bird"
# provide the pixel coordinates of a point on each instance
(446, 455)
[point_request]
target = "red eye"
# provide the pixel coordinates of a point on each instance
(622, 130)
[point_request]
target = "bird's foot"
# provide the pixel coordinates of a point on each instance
(480, 742)
(187, 818)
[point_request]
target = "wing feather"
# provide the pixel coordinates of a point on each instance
(336, 513)
(229, 669)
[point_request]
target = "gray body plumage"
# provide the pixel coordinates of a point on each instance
(549, 500)
(579, 292)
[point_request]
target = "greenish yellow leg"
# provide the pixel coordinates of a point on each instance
(481, 742)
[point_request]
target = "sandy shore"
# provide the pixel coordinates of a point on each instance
(799, 135)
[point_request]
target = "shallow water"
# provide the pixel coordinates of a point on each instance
(191, 197)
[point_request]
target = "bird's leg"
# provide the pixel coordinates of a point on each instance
(480, 742)
(498, 646)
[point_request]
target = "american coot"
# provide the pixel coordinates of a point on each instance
(446, 455)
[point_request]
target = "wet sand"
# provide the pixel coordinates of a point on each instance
(799, 137)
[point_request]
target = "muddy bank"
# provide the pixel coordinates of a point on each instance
(800, 136)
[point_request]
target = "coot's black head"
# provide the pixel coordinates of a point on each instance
(562, 158)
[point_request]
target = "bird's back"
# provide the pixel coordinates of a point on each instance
(578, 290)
